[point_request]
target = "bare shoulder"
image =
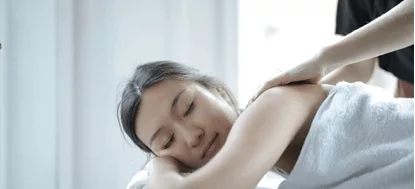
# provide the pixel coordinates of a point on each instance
(292, 101)
(305, 93)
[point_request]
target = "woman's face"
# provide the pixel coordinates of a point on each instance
(185, 121)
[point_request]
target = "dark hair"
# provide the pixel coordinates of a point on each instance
(150, 74)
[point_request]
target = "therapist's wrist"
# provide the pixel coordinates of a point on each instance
(328, 59)
(320, 60)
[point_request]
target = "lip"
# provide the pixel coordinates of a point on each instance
(209, 146)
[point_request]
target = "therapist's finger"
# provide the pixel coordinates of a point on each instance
(281, 79)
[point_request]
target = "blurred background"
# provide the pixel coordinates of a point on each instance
(63, 64)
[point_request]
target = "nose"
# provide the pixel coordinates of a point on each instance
(194, 136)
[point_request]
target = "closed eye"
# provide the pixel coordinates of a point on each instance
(169, 143)
(189, 109)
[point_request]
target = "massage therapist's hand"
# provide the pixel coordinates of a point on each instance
(164, 173)
(309, 71)
(392, 31)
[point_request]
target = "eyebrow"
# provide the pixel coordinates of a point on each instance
(173, 106)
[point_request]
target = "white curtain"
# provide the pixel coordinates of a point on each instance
(63, 64)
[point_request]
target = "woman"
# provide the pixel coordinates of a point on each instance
(190, 122)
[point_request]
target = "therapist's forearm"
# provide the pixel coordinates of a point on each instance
(361, 71)
(392, 31)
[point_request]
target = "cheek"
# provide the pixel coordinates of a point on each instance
(178, 151)
(226, 113)
(219, 116)
(182, 154)
(223, 119)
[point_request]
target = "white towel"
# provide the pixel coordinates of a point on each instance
(360, 138)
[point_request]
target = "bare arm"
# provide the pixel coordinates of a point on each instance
(390, 32)
(361, 71)
(247, 155)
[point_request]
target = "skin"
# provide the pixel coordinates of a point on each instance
(185, 132)
(258, 138)
(360, 71)
(270, 119)
(234, 150)
(392, 31)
